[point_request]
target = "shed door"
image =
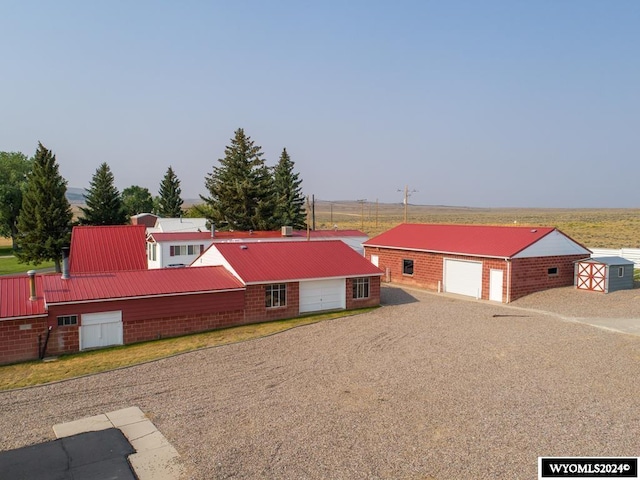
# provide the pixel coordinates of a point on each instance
(100, 329)
(463, 277)
(495, 285)
(591, 276)
(322, 295)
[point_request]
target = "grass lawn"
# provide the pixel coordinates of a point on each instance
(70, 366)
(9, 264)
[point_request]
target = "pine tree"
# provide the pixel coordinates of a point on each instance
(44, 223)
(104, 203)
(241, 189)
(289, 199)
(169, 201)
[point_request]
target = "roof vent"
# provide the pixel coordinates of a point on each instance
(533, 230)
(243, 247)
(287, 231)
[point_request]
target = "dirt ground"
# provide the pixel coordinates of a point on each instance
(426, 387)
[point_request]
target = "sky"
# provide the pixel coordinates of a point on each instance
(478, 103)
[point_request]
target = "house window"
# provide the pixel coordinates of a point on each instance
(176, 250)
(621, 271)
(361, 287)
(66, 320)
(407, 267)
(153, 252)
(192, 249)
(552, 272)
(276, 295)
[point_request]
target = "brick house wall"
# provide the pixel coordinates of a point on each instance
(19, 338)
(374, 295)
(526, 276)
(255, 309)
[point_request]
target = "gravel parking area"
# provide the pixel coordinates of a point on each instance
(427, 387)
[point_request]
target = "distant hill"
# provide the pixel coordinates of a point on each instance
(76, 195)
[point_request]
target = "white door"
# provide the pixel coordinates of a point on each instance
(100, 329)
(495, 285)
(320, 295)
(463, 277)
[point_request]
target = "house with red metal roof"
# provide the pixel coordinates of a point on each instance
(109, 248)
(499, 263)
(56, 314)
(178, 249)
(286, 279)
(235, 283)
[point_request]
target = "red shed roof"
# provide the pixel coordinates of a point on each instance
(14, 298)
(264, 262)
(108, 248)
(477, 240)
(87, 287)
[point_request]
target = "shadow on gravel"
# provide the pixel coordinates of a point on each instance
(395, 296)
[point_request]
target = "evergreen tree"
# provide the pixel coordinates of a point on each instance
(289, 199)
(44, 223)
(169, 201)
(137, 200)
(104, 203)
(241, 189)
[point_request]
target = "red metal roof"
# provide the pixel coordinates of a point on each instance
(14, 298)
(179, 236)
(263, 262)
(477, 240)
(108, 248)
(262, 234)
(86, 287)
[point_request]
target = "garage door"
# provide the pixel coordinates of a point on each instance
(463, 277)
(100, 330)
(322, 295)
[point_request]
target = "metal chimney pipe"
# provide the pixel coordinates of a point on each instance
(65, 263)
(213, 230)
(32, 285)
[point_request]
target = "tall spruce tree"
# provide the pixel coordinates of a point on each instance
(288, 192)
(241, 190)
(169, 201)
(44, 222)
(104, 202)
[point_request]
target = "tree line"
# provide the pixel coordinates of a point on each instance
(243, 194)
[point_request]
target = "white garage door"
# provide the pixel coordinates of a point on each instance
(463, 277)
(322, 295)
(101, 330)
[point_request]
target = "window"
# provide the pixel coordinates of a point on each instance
(66, 320)
(552, 272)
(276, 295)
(153, 252)
(176, 250)
(361, 287)
(621, 271)
(407, 267)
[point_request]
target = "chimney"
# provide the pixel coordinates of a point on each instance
(32, 285)
(65, 263)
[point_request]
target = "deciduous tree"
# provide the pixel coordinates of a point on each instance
(288, 193)
(137, 200)
(104, 203)
(14, 168)
(44, 223)
(169, 200)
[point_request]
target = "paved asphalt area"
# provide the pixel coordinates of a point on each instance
(98, 455)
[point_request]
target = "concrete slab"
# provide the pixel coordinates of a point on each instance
(89, 424)
(126, 416)
(158, 464)
(138, 430)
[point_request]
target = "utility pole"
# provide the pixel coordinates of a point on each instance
(362, 212)
(407, 194)
(376, 213)
(313, 210)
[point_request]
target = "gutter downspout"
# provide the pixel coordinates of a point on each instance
(508, 279)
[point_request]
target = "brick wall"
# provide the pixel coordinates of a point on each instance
(527, 275)
(374, 294)
(255, 309)
(19, 339)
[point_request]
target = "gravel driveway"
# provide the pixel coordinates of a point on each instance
(427, 387)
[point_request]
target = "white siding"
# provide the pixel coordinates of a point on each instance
(213, 258)
(101, 329)
(554, 244)
(631, 254)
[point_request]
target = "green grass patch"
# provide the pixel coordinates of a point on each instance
(70, 366)
(10, 265)
(6, 250)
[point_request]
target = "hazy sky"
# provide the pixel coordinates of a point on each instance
(471, 103)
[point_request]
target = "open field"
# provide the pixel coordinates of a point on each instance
(604, 228)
